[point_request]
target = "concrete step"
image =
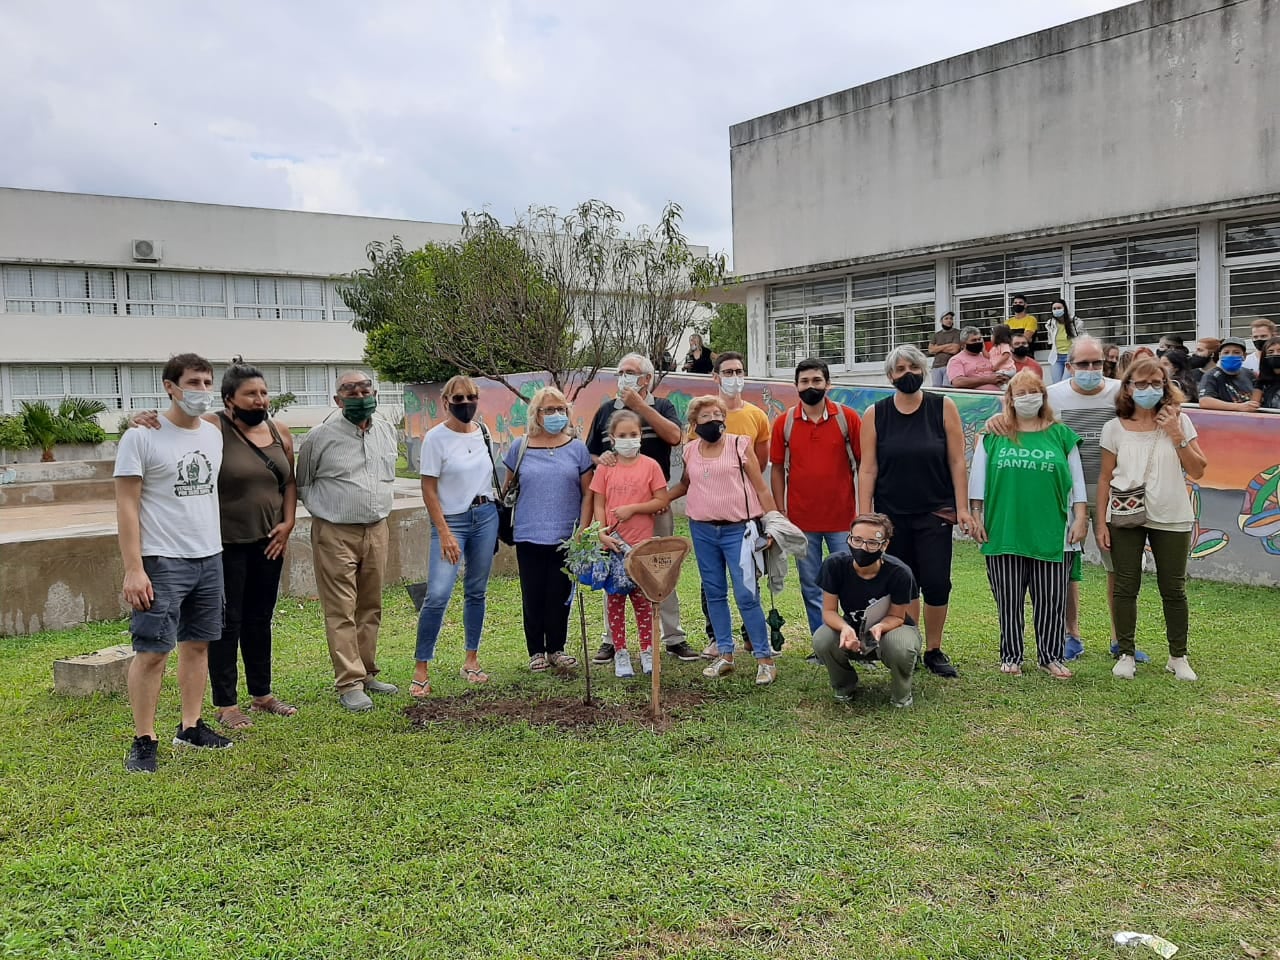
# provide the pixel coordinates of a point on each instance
(57, 470)
(56, 491)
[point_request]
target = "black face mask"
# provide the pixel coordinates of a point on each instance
(1272, 364)
(1022, 352)
(1019, 308)
(711, 431)
(974, 347)
(1198, 362)
(812, 396)
(466, 412)
(250, 418)
(1260, 345)
(909, 382)
(863, 557)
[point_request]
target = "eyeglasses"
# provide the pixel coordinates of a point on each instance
(464, 398)
(546, 410)
(355, 386)
(1147, 385)
(630, 373)
(733, 373)
(865, 544)
(1087, 364)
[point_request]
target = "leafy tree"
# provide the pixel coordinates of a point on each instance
(567, 294)
(281, 402)
(729, 328)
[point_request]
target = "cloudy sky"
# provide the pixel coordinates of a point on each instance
(424, 108)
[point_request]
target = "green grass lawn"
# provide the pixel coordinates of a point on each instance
(1001, 817)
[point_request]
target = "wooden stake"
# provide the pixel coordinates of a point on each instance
(586, 654)
(655, 695)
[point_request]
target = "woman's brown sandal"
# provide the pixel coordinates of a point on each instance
(233, 718)
(274, 704)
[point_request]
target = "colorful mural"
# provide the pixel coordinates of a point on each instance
(1240, 491)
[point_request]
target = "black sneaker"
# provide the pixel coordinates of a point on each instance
(938, 663)
(682, 651)
(142, 755)
(201, 736)
(604, 654)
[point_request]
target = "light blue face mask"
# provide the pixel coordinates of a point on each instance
(1087, 379)
(1148, 397)
(555, 422)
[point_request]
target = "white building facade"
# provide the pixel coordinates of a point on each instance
(97, 292)
(1128, 163)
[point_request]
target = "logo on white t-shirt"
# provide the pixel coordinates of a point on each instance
(195, 476)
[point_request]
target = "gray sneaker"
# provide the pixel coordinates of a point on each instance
(377, 686)
(357, 701)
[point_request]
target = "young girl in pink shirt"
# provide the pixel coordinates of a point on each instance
(626, 496)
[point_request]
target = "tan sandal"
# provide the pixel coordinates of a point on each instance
(273, 704)
(420, 689)
(473, 675)
(233, 718)
(1057, 670)
(1012, 669)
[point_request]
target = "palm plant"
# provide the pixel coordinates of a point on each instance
(42, 426)
(75, 421)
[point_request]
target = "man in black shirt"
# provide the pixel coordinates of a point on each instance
(660, 430)
(874, 590)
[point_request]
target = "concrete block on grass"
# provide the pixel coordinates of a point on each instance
(104, 671)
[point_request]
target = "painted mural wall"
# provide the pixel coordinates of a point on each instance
(1237, 502)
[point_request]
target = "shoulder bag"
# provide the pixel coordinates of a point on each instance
(266, 461)
(505, 500)
(1129, 507)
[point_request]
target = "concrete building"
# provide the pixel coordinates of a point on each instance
(1129, 162)
(99, 291)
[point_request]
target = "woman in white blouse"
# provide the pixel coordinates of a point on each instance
(1152, 444)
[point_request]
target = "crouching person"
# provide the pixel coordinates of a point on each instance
(874, 590)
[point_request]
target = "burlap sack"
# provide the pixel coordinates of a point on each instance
(655, 564)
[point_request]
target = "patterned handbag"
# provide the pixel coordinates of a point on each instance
(1129, 507)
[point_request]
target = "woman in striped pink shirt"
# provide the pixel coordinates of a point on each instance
(726, 496)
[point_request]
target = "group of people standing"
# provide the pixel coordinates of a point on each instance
(880, 492)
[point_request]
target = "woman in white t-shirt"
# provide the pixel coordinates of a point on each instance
(457, 485)
(1151, 443)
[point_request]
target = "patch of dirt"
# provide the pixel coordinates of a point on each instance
(563, 712)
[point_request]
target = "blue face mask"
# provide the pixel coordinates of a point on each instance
(1231, 364)
(1087, 379)
(555, 422)
(1148, 397)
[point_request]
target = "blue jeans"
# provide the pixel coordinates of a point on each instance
(476, 531)
(717, 548)
(1059, 369)
(810, 565)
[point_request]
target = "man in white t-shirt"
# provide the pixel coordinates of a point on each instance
(171, 542)
(1084, 400)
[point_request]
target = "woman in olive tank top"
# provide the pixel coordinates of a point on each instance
(259, 499)
(913, 471)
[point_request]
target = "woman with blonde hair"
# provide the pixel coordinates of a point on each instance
(1030, 512)
(551, 471)
(726, 497)
(1150, 445)
(458, 489)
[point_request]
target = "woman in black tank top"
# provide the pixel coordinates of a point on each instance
(913, 471)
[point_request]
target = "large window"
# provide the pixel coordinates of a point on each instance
(850, 320)
(1251, 252)
(278, 298)
(68, 290)
(1133, 290)
(53, 382)
(170, 294)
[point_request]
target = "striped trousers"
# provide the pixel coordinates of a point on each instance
(1011, 578)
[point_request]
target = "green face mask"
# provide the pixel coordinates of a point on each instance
(359, 409)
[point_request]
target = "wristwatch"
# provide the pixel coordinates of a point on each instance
(1185, 442)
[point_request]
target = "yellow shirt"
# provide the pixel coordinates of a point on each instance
(1027, 324)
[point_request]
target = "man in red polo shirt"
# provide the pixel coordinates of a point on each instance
(814, 453)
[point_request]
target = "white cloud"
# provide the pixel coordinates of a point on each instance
(421, 110)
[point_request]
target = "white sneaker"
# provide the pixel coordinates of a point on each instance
(719, 667)
(1179, 667)
(766, 673)
(1126, 667)
(646, 661)
(622, 664)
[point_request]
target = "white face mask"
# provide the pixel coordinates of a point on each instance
(1058, 313)
(732, 386)
(195, 403)
(626, 447)
(627, 381)
(1028, 405)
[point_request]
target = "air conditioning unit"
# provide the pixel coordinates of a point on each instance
(147, 251)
